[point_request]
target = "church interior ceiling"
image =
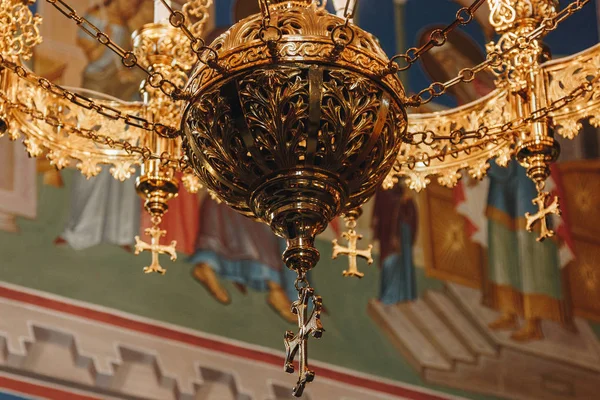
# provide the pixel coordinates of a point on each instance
(171, 171)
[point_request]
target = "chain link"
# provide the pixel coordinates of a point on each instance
(55, 121)
(301, 281)
(493, 133)
(205, 53)
(343, 34)
(88, 103)
(437, 38)
(268, 34)
(128, 59)
(494, 59)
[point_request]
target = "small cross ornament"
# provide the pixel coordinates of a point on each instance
(156, 248)
(309, 325)
(543, 211)
(352, 253)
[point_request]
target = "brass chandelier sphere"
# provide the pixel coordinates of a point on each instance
(297, 131)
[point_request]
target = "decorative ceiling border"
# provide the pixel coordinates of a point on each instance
(129, 322)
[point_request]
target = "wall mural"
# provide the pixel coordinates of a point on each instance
(467, 305)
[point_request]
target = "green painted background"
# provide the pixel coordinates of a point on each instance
(109, 276)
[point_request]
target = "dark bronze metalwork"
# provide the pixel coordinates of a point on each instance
(298, 131)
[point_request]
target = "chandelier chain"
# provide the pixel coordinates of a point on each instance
(494, 58)
(268, 34)
(57, 122)
(128, 58)
(437, 38)
(494, 132)
(343, 34)
(87, 102)
(207, 54)
(349, 11)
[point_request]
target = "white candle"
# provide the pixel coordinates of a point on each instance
(161, 13)
(340, 7)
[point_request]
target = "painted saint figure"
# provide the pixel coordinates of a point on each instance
(395, 225)
(524, 276)
(104, 210)
(236, 248)
(180, 221)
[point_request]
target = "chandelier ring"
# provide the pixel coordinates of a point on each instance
(270, 34)
(301, 282)
(438, 88)
(20, 71)
(197, 45)
(464, 16)
(102, 38)
(550, 23)
(495, 59)
(109, 141)
(168, 87)
(209, 59)
(523, 42)
(146, 153)
(44, 83)
(165, 131)
(466, 75)
(128, 147)
(394, 66)
(456, 136)
(129, 59)
(165, 158)
(155, 80)
(438, 37)
(411, 162)
(412, 54)
(428, 138)
(78, 19)
(342, 35)
(177, 19)
(483, 130)
(424, 159)
(411, 138)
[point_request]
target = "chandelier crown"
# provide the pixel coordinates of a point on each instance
(506, 15)
(285, 4)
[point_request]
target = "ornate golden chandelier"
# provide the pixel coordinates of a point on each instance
(295, 116)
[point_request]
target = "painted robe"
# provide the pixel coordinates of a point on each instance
(395, 224)
(240, 249)
(18, 185)
(180, 222)
(524, 276)
(104, 210)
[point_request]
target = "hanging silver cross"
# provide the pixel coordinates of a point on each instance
(309, 325)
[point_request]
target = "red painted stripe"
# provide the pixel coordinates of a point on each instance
(45, 392)
(215, 345)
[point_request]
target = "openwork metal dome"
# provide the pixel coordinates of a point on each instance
(297, 133)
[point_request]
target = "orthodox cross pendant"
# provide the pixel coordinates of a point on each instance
(155, 248)
(309, 325)
(543, 211)
(352, 253)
